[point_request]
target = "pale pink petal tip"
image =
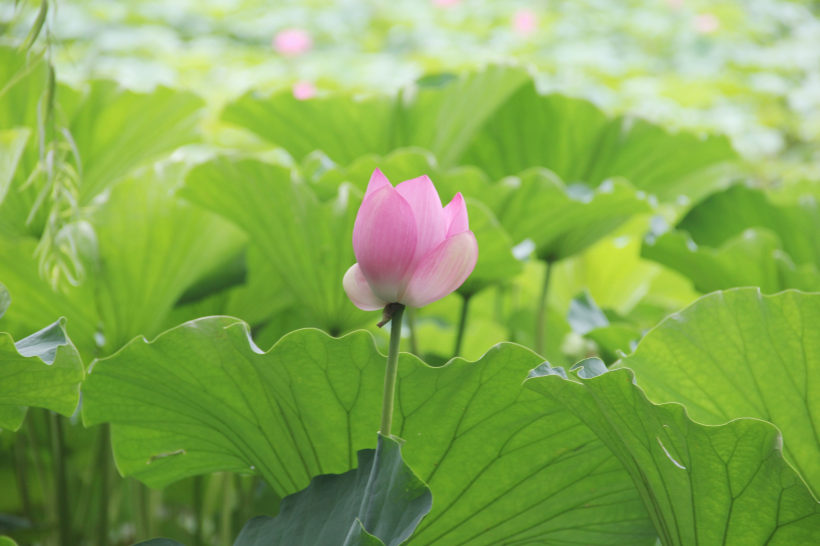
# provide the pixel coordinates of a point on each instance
(445, 3)
(524, 21)
(384, 241)
(455, 216)
(292, 42)
(377, 182)
(303, 90)
(359, 291)
(442, 271)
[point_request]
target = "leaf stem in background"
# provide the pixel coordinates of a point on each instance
(392, 368)
(103, 470)
(21, 471)
(197, 505)
(227, 512)
(462, 323)
(60, 481)
(541, 320)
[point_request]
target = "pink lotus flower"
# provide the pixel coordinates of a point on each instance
(445, 3)
(524, 22)
(409, 249)
(292, 42)
(706, 23)
(304, 90)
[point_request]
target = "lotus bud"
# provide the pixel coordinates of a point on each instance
(409, 249)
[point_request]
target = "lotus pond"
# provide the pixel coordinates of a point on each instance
(445, 272)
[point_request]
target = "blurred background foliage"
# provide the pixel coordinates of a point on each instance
(140, 140)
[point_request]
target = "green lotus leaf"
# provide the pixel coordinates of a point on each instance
(43, 370)
(440, 117)
(306, 241)
(739, 354)
(726, 484)
(753, 258)
(563, 220)
(381, 494)
(580, 143)
(503, 465)
(725, 215)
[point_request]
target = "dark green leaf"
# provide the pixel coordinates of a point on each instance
(503, 465)
(701, 484)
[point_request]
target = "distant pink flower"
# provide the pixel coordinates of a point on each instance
(445, 3)
(524, 21)
(304, 90)
(409, 249)
(292, 42)
(706, 23)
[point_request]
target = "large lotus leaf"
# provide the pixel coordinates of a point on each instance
(7, 541)
(305, 240)
(37, 303)
(753, 258)
(727, 214)
(381, 495)
(43, 370)
(116, 130)
(151, 247)
(564, 220)
(12, 145)
(503, 465)
(581, 144)
(701, 484)
(739, 354)
(440, 115)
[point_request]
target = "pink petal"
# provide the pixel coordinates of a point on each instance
(443, 270)
(455, 216)
(359, 291)
(384, 241)
(423, 198)
(377, 182)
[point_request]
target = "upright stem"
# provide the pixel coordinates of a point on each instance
(390, 372)
(197, 504)
(462, 323)
(60, 480)
(21, 471)
(227, 509)
(102, 469)
(540, 325)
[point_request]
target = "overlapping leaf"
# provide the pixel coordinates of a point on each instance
(43, 370)
(503, 466)
(702, 485)
(380, 502)
(739, 354)
(440, 115)
(581, 144)
(563, 220)
(305, 240)
(753, 258)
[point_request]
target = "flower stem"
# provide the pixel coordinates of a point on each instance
(541, 321)
(462, 323)
(390, 372)
(103, 471)
(60, 481)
